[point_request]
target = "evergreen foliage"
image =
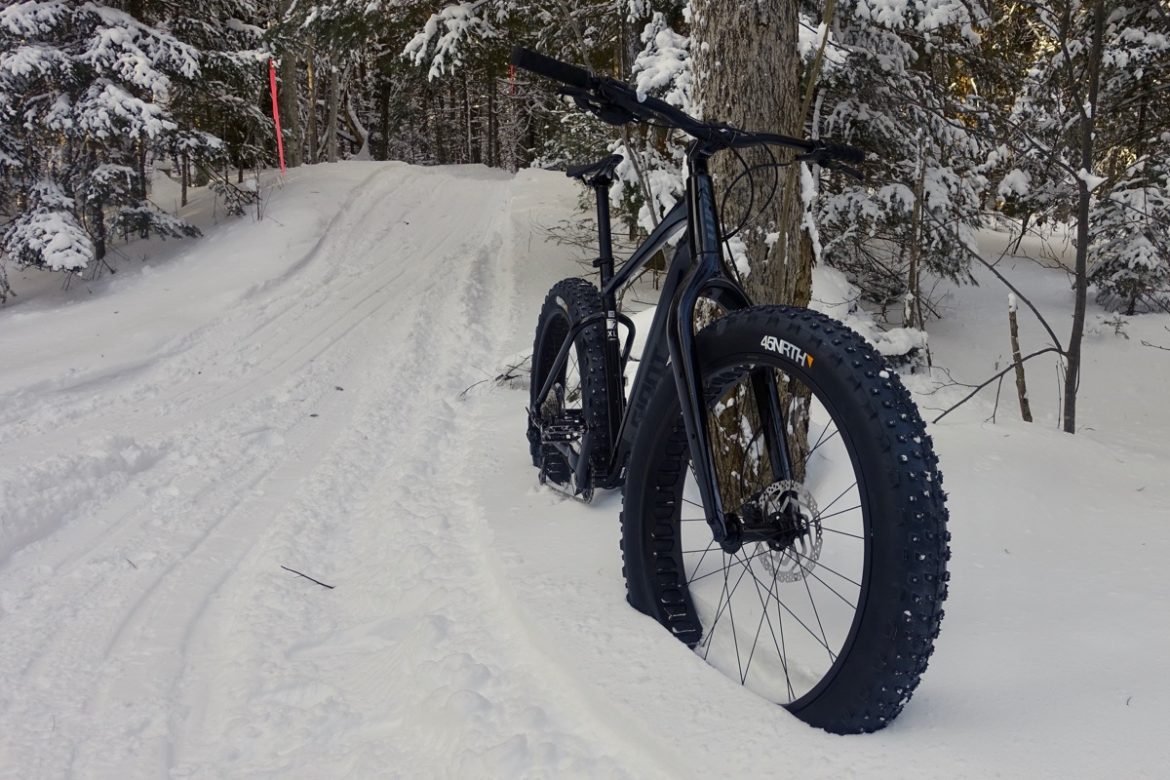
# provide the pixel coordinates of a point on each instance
(964, 106)
(88, 91)
(1125, 166)
(895, 83)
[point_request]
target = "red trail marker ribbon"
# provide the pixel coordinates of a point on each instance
(276, 113)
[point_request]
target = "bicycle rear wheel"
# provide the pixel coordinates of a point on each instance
(834, 613)
(579, 398)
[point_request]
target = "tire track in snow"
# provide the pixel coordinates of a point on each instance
(122, 385)
(423, 656)
(72, 646)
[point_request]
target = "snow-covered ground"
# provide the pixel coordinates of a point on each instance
(291, 393)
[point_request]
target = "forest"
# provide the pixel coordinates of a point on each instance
(1036, 116)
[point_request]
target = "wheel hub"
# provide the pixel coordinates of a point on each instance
(794, 544)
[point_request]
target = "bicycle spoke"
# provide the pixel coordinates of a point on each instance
(708, 574)
(795, 617)
(816, 612)
(839, 497)
(812, 573)
(821, 516)
(735, 634)
(719, 613)
(820, 566)
(819, 443)
(842, 533)
(764, 617)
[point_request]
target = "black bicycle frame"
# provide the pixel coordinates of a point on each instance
(696, 272)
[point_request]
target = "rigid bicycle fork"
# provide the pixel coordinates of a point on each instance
(707, 278)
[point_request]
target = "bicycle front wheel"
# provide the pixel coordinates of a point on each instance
(833, 608)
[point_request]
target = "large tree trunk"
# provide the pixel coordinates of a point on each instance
(748, 74)
(314, 135)
(289, 99)
(383, 150)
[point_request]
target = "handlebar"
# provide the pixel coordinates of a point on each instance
(553, 69)
(616, 103)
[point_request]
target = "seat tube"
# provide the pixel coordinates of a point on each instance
(615, 387)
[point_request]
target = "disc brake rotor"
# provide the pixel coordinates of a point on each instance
(795, 560)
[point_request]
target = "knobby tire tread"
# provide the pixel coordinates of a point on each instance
(581, 299)
(908, 577)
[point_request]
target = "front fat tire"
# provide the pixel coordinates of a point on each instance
(907, 548)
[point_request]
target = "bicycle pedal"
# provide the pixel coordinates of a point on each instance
(567, 428)
(554, 467)
(562, 433)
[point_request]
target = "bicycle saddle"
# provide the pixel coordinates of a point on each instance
(604, 167)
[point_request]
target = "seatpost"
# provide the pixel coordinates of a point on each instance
(601, 185)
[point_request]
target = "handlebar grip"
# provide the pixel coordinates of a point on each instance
(553, 69)
(844, 152)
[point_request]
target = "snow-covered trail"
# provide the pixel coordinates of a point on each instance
(306, 391)
(313, 425)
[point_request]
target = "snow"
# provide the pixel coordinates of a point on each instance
(1016, 182)
(291, 392)
(664, 65)
(1091, 180)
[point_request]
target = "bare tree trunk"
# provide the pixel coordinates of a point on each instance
(332, 113)
(289, 99)
(383, 151)
(184, 178)
(99, 229)
(440, 140)
(493, 123)
(1072, 377)
(1021, 382)
(290, 111)
(314, 136)
(912, 316)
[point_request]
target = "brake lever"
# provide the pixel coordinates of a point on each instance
(605, 111)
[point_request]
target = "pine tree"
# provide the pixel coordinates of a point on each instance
(1129, 257)
(226, 99)
(88, 93)
(896, 81)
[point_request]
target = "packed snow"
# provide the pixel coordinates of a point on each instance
(316, 392)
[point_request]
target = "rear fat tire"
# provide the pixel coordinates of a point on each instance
(570, 301)
(900, 608)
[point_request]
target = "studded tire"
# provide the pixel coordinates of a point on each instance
(899, 608)
(570, 301)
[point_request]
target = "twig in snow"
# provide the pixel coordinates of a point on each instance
(1155, 346)
(1011, 367)
(507, 375)
(995, 409)
(307, 577)
(467, 389)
